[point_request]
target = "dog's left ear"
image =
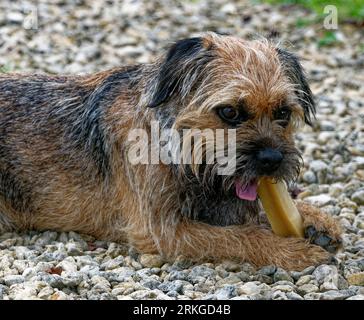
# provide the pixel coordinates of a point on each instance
(296, 74)
(179, 70)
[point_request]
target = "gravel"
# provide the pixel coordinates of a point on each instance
(79, 37)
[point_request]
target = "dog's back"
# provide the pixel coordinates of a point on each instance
(53, 142)
(24, 103)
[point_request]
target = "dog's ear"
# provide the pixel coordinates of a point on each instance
(296, 74)
(179, 70)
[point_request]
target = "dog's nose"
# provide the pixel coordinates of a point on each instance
(269, 160)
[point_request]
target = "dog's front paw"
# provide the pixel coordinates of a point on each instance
(322, 239)
(320, 228)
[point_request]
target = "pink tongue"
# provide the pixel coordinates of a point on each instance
(246, 192)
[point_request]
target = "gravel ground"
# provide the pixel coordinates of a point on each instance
(74, 36)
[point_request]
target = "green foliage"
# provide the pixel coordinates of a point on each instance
(361, 48)
(328, 38)
(347, 9)
(5, 68)
(304, 22)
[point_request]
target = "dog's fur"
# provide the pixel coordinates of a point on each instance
(64, 163)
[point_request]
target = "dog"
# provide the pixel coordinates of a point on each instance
(64, 153)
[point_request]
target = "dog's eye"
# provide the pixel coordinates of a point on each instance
(283, 114)
(231, 115)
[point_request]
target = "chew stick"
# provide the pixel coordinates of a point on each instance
(282, 214)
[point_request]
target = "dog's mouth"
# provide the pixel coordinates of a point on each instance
(246, 191)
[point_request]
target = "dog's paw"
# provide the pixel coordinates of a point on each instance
(322, 239)
(320, 228)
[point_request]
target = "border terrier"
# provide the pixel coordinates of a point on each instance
(64, 153)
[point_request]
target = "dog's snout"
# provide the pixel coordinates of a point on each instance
(269, 160)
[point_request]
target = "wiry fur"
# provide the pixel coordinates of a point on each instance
(64, 152)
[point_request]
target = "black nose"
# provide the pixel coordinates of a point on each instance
(269, 160)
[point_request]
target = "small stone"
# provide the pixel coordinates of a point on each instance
(342, 284)
(324, 273)
(327, 126)
(13, 279)
(113, 263)
(307, 288)
(151, 284)
(221, 271)
(320, 200)
(3, 290)
(360, 162)
(279, 295)
(327, 286)
(281, 274)
(100, 282)
(283, 288)
(248, 288)
(334, 295)
(262, 278)
(150, 295)
(59, 295)
(182, 263)
(293, 296)
(136, 265)
(202, 271)
(358, 197)
(228, 280)
(151, 260)
(231, 266)
(15, 17)
(267, 270)
(22, 292)
(309, 177)
(356, 279)
(298, 274)
(226, 292)
(228, 8)
(45, 293)
(357, 297)
(73, 249)
(124, 288)
(248, 268)
(312, 296)
(68, 265)
(21, 252)
(176, 275)
(304, 280)
(29, 273)
(318, 165)
(176, 286)
(203, 287)
(242, 297)
(124, 298)
(324, 137)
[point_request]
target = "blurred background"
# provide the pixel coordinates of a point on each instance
(81, 36)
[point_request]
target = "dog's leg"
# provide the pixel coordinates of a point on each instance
(320, 228)
(252, 243)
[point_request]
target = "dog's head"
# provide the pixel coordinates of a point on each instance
(223, 82)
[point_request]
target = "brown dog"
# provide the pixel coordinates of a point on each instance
(64, 152)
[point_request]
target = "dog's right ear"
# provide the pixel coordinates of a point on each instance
(179, 70)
